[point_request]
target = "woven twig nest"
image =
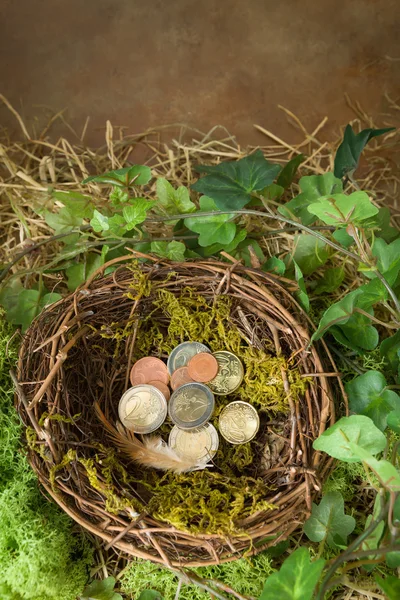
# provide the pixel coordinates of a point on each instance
(80, 350)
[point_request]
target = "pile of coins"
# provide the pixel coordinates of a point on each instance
(195, 376)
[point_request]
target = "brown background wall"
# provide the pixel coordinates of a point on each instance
(199, 62)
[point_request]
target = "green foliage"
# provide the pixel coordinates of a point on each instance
(126, 177)
(296, 579)
(135, 213)
(288, 172)
(368, 396)
(390, 351)
(301, 295)
(331, 281)
(340, 210)
(310, 253)
(336, 441)
(174, 202)
(329, 522)
(390, 585)
(150, 595)
(101, 590)
(30, 303)
(172, 250)
(212, 229)
(349, 152)
(79, 205)
(388, 258)
(230, 184)
(274, 265)
(393, 420)
(63, 221)
(312, 188)
(79, 272)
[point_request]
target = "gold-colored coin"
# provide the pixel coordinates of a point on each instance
(142, 409)
(239, 422)
(182, 353)
(191, 405)
(230, 373)
(199, 444)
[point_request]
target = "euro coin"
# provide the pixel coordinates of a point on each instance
(191, 405)
(199, 444)
(142, 408)
(238, 422)
(164, 389)
(181, 355)
(180, 377)
(230, 373)
(203, 367)
(149, 369)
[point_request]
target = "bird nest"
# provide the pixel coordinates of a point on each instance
(80, 351)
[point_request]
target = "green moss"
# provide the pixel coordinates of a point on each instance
(345, 478)
(245, 576)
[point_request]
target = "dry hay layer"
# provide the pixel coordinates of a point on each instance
(80, 350)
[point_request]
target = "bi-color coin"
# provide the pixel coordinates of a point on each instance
(230, 373)
(182, 353)
(142, 408)
(191, 405)
(238, 422)
(199, 444)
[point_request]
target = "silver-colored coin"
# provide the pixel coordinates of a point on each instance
(182, 353)
(238, 422)
(230, 373)
(142, 409)
(199, 444)
(191, 405)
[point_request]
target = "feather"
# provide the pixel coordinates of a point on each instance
(152, 452)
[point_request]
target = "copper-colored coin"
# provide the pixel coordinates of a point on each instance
(203, 367)
(180, 377)
(149, 369)
(164, 389)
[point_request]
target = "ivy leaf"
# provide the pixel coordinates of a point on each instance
(77, 204)
(273, 191)
(390, 350)
(340, 312)
(150, 595)
(301, 295)
(393, 420)
(328, 521)
(99, 222)
(340, 210)
(30, 304)
(331, 281)
(230, 184)
(243, 252)
(80, 272)
(214, 248)
(357, 429)
(368, 396)
(134, 175)
(388, 256)
(101, 590)
(312, 188)
(274, 265)
(310, 253)
(118, 196)
(213, 229)
(296, 579)
(174, 201)
(63, 221)
(173, 250)
(343, 238)
(116, 226)
(357, 333)
(349, 152)
(9, 294)
(288, 172)
(381, 223)
(136, 213)
(372, 541)
(386, 472)
(390, 585)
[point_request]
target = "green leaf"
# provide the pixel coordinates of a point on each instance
(134, 175)
(368, 396)
(288, 172)
(77, 204)
(388, 256)
(173, 250)
(310, 253)
(116, 226)
(393, 420)
(301, 295)
(328, 520)
(357, 429)
(271, 192)
(390, 350)
(331, 281)
(372, 541)
(343, 238)
(9, 294)
(230, 184)
(136, 213)
(340, 312)
(274, 265)
(101, 590)
(30, 304)
(381, 223)
(296, 579)
(349, 152)
(99, 222)
(150, 595)
(390, 585)
(212, 229)
(79, 273)
(357, 334)
(119, 196)
(312, 188)
(214, 248)
(243, 253)
(386, 472)
(393, 559)
(340, 210)
(173, 201)
(63, 221)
